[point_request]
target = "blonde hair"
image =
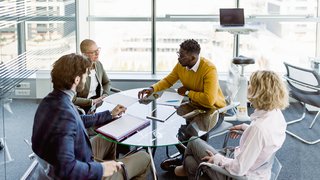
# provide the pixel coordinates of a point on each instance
(267, 91)
(85, 44)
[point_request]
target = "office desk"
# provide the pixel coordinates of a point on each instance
(159, 134)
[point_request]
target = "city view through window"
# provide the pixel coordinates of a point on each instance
(286, 31)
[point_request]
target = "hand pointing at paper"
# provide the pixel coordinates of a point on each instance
(118, 110)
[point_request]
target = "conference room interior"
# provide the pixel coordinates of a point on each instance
(138, 41)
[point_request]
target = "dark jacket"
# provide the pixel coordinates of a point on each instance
(59, 137)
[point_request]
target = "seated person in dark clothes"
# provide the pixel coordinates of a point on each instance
(59, 137)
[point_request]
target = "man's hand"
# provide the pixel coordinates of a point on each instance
(98, 100)
(146, 92)
(208, 158)
(182, 90)
(110, 167)
(118, 110)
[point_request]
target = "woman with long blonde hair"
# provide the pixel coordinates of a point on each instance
(259, 141)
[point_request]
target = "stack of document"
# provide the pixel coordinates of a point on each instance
(170, 99)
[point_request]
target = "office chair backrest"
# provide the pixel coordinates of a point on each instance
(301, 79)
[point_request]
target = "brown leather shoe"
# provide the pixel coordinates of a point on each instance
(171, 164)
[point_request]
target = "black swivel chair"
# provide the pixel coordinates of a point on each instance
(304, 86)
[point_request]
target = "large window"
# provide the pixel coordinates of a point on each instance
(287, 31)
(277, 42)
(50, 34)
(122, 29)
(188, 19)
(8, 43)
(41, 31)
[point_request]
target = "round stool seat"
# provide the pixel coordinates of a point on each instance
(241, 60)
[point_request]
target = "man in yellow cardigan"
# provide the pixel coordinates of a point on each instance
(198, 76)
(200, 83)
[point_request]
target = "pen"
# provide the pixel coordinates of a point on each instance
(172, 101)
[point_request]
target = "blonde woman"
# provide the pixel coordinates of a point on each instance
(259, 141)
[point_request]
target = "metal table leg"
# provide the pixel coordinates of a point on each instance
(153, 167)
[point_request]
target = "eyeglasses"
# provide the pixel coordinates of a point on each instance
(181, 55)
(97, 51)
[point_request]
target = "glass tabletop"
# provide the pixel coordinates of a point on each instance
(175, 130)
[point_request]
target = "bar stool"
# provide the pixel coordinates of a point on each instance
(242, 110)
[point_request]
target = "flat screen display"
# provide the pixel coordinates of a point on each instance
(231, 17)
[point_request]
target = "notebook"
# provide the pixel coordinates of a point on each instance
(162, 113)
(123, 127)
(231, 17)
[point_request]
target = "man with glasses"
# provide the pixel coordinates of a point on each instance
(200, 83)
(96, 88)
(97, 85)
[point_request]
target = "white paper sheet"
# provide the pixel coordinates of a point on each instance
(170, 99)
(122, 99)
(162, 113)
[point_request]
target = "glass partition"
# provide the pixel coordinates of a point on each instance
(33, 34)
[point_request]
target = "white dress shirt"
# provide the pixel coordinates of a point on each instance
(93, 83)
(259, 141)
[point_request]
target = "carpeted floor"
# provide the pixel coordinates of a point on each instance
(299, 161)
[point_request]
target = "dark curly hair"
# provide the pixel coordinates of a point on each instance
(191, 46)
(66, 69)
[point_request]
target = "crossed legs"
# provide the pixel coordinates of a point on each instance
(195, 151)
(137, 164)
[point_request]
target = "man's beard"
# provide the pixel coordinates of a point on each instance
(80, 86)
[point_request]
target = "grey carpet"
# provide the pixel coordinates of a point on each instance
(300, 161)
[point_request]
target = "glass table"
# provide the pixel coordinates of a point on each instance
(175, 130)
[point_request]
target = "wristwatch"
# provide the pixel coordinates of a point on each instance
(186, 93)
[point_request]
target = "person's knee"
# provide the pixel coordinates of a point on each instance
(145, 157)
(193, 143)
